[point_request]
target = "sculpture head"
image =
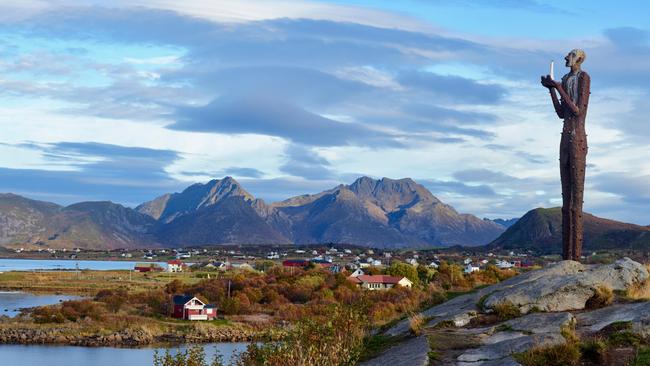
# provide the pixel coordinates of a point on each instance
(575, 58)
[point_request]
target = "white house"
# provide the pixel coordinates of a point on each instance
(505, 264)
(358, 272)
(380, 282)
(175, 266)
(434, 265)
(469, 268)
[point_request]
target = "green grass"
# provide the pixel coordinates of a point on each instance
(624, 338)
(375, 344)
(642, 357)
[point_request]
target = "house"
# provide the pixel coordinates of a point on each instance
(358, 272)
(434, 265)
(148, 267)
(380, 282)
(469, 268)
(190, 308)
(175, 266)
(501, 264)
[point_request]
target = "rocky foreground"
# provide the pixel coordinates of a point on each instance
(549, 307)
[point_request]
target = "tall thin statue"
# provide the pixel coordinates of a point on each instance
(572, 107)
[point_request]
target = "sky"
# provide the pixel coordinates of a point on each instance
(126, 100)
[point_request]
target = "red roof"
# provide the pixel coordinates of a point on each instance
(376, 279)
(176, 262)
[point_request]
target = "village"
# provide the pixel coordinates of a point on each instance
(364, 268)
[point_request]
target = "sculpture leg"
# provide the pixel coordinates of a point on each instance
(579, 159)
(565, 175)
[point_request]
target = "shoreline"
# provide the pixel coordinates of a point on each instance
(127, 338)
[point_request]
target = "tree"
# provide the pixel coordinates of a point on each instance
(401, 269)
(425, 274)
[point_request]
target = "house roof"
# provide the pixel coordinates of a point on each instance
(376, 279)
(176, 262)
(295, 262)
(183, 299)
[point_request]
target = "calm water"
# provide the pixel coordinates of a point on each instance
(10, 302)
(58, 264)
(102, 356)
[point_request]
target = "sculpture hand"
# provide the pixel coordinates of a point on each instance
(548, 82)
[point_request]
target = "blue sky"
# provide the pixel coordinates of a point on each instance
(132, 99)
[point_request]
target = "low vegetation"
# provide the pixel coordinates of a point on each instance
(603, 296)
(416, 323)
(640, 291)
(617, 343)
(506, 311)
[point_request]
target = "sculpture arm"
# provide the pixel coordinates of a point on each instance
(567, 100)
(556, 104)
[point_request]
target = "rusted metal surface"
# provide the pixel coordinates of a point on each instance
(572, 106)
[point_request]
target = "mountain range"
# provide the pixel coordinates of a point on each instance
(379, 213)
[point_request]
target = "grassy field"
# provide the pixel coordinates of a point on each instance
(89, 282)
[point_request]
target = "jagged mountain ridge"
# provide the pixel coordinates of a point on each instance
(369, 212)
(379, 213)
(541, 229)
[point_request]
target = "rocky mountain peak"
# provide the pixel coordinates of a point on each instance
(391, 194)
(195, 197)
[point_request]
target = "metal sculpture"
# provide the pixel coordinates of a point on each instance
(572, 107)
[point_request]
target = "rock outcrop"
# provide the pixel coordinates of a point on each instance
(565, 286)
(552, 292)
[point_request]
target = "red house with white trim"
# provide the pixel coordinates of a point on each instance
(190, 308)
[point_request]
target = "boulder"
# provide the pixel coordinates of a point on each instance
(636, 313)
(564, 286)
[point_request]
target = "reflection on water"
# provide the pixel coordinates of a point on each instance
(11, 302)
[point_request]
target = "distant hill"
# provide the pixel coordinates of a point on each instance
(99, 225)
(541, 229)
(389, 213)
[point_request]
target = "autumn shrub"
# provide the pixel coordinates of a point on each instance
(567, 354)
(640, 291)
(112, 299)
(194, 356)
(506, 310)
(416, 323)
(333, 340)
(47, 314)
(74, 310)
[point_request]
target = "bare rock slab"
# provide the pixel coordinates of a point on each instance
(413, 352)
(565, 286)
(636, 313)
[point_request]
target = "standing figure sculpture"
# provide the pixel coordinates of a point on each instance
(572, 107)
